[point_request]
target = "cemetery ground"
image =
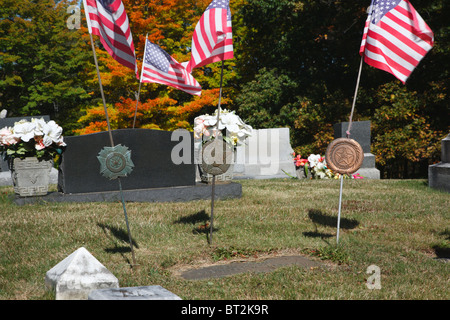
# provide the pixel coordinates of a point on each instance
(400, 226)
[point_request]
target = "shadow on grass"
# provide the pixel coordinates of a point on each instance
(323, 219)
(442, 251)
(120, 235)
(199, 217)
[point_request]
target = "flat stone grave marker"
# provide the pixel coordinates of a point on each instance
(133, 293)
(232, 268)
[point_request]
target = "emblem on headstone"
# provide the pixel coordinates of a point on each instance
(344, 155)
(115, 162)
(216, 157)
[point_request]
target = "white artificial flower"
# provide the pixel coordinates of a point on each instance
(313, 160)
(7, 138)
(236, 128)
(24, 130)
(210, 120)
(39, 126)
(53, 134)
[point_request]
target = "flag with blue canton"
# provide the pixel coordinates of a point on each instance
(159, 67)
(107, 4)
(212, 40)
(395, 38)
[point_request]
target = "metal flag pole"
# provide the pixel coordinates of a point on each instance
(348, 136)
(354, 97)
(137, 102)
(101, 90)
(140, 82)
(213, 186)
(339, 212)
(112, 144)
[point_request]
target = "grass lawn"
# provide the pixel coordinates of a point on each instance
(400, 226)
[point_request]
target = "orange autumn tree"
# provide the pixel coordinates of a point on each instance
(170, 24)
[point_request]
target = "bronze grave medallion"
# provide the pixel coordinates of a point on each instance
(216, 157)
(115, 162)
(344, 156)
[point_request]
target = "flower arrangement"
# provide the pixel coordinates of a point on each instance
(235, 129)
(317, 165)
(35, 138)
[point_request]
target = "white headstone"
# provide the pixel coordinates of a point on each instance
(265, 154)
(77, 275)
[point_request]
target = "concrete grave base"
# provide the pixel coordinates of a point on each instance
(200, 191)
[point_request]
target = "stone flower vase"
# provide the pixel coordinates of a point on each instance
(30, 176)
(300, 170)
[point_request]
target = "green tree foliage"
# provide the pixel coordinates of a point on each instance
(41, 60)
(308, 43)
(296, 64)
(303, 56)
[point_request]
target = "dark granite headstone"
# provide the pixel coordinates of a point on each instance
(439, 173)
(9, 122)
(359, 131)
(151, 152)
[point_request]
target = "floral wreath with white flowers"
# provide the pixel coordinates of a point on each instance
(35, 138)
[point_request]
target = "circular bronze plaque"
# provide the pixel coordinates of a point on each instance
(115, 162)
(216, 157)
(344, 156)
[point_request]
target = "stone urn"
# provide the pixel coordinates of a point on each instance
(30, 176)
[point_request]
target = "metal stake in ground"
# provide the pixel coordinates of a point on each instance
(339, 212)
(213, 186)
(114, 158)
(216, 159)
(343, 156)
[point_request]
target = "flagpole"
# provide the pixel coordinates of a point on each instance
(137, 102)
(101, 90)
(348, 136)
(339, 212)
(213, 185)
(112, 145)
(140, 82)
(354, 96)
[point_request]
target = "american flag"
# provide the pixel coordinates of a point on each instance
(108, 20)
(212, 40)
(396, 38)
(159, 67)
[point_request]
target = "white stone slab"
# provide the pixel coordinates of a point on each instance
(133, 293)
(77, 275)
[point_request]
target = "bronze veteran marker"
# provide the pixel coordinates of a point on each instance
(216, 159)
(344, 156)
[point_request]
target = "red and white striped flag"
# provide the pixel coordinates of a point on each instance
(108, 20)
(212, 40)
(159, 67)
(396, 38)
